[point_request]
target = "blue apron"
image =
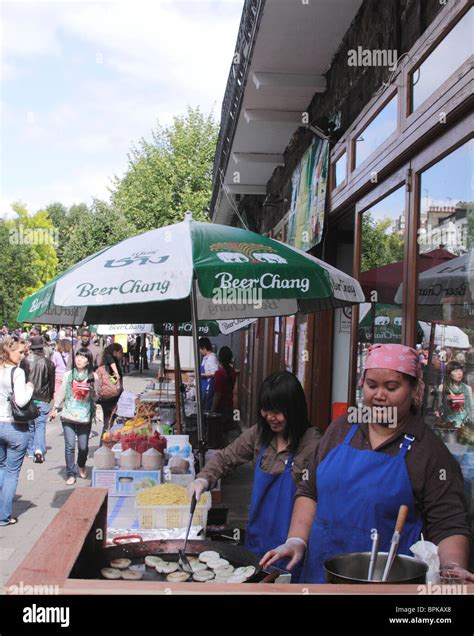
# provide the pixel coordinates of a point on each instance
(207, 390)
(270, 513)
(358, 491)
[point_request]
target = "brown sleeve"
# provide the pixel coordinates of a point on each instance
(442, 497)
(304, 457)
(241, 451)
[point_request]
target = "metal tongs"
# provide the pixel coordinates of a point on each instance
(402, 517)
(374, 554)
(182, 553)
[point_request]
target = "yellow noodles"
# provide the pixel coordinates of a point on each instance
(164, 495)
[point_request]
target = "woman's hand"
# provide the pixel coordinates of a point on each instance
(458, 571)
(198, 487)
(53, 413)
(293, 550)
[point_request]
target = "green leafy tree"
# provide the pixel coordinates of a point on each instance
(65, 221)
(101, 226)
(169, 175)
(378, 246)
(38, 232)
(19, 276)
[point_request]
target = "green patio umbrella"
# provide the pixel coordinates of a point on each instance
(193, 271)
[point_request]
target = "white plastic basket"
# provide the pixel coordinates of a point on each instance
(151, 517)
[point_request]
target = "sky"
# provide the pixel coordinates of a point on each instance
(82, 81)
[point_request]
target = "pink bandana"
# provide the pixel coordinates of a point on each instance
(397, 358)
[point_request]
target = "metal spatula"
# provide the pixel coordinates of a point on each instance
(182, 553)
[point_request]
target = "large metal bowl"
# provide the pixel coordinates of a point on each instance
(353, 568)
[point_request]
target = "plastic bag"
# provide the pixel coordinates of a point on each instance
(428, 552)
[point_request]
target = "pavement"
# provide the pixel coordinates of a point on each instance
(42, 490)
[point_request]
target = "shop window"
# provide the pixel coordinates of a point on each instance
(340, 170)
(445, 308)
(448, 56)
(377, 131)
(381, 274)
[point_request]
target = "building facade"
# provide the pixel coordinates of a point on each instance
(347, 131)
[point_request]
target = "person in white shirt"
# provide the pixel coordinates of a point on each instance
(209, 365)
(14, 437)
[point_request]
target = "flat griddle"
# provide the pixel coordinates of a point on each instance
(237, 555)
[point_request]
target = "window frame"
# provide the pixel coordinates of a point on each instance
(378, 107)
(452, 98)
(410, 175)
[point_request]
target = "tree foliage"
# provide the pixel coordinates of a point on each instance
(19, 276)
(38, 232)
(379, 247)
(96, 228)
(170, 175)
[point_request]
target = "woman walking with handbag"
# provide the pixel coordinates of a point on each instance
(13, 436)
(78, 392)
(110, 383)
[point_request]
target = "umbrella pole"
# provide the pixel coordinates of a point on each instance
(194, 318)
(177, 379)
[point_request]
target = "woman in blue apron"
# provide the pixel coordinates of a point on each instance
(360, 488)
(282, 443)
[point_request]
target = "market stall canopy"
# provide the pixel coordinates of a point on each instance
(208, 328)
(387, 279)
(240, 274)
(446, 336)
(387, 323)
(450, 283)
(110, 330)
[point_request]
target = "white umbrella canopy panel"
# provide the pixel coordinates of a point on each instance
(240, 274)
(197, 271)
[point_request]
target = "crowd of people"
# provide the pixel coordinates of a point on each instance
(56, 369)
(67, 372)
(314, 494)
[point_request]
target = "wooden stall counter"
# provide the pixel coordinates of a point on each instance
(79, 530)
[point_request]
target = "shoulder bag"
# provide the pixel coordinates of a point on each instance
(22, 414)
(109, 388)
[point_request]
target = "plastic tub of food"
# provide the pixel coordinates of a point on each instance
(150, 517)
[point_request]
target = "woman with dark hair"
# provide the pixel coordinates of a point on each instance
(367, 467)
(78, 393)
(111, 367)
(224, 382)
(455, 397)
(282, 443)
